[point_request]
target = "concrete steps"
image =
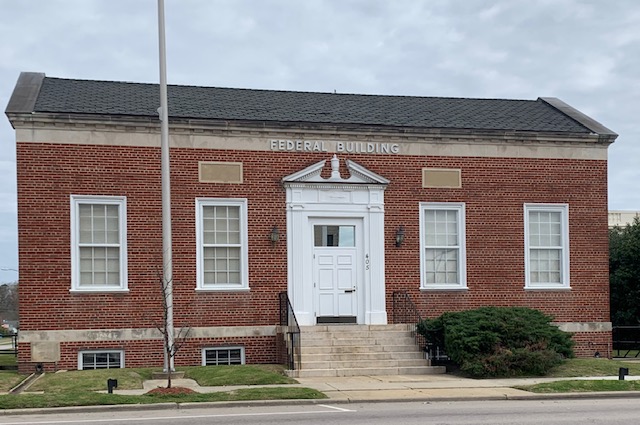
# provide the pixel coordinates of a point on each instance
(367, 356)
(360, 350)
(356, 364)
(351, 342)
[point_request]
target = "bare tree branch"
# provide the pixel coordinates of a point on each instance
(179, 339)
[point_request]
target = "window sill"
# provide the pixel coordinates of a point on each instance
(99, 291)
(227, 289)
(548, 288)
(444, 289)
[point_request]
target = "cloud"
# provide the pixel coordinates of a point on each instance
(586, 52)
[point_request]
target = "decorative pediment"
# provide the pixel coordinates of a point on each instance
(357, 174)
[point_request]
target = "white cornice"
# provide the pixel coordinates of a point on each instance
(276, 130)
(428, 143)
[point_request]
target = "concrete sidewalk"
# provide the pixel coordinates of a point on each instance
(424, 388)
(427, 387)
(404, 387)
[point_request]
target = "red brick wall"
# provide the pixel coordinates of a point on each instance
(590, 344)
(24, 358)
(149, 353)
(494, 190)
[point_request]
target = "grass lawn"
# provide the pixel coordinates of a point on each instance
(84, 398)
(206, 376)
(90, 380)
(212, 376)
(588, 367)
(593, 367)
(582, 386)
(9, 379)
(78, 388)
(8, 359)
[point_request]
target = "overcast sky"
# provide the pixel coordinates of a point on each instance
(587, 53)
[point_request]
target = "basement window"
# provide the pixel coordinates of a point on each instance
(215, 356)
(107, 359)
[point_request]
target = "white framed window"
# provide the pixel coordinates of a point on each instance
(221, 239)
(442, 246)
(546, 239)
(98, 243)
(100, 359)
(215, 356)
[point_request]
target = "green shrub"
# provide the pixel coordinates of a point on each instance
(499, 341)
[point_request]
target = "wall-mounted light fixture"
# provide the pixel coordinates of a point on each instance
(274, 235)
(400, 236)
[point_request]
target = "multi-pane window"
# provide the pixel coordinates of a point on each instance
(546, 240)
(442, 245)
(222, 247)
(108, 359)
(98, 240)
(222, 356)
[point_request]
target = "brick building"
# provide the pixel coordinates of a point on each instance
(338, 200)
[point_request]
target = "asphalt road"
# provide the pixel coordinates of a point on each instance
(547, 412)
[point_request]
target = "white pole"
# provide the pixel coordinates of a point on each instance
(167, 255)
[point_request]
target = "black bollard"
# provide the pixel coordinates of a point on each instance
(622, 372)
(111, 384)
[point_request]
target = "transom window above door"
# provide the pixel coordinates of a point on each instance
(341, 236)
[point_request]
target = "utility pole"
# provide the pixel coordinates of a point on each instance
(167, 253)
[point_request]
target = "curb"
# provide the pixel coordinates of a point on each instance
(301, 402)
(586, 395)
(89, 409)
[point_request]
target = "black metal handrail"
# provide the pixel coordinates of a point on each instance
(289, 335)
(626, 341)
(405, 311)
(11, 349)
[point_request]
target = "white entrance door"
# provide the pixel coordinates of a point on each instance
(335, 273)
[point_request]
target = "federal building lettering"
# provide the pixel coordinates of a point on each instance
(334, 146)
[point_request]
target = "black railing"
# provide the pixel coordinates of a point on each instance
(288, 334)
(626, 341)
(405, 311)
(9, 351)
(9, 344)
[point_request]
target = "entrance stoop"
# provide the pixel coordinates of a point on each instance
(359, 350)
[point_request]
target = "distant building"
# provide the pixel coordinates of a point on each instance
(622, 218)
(346, 204)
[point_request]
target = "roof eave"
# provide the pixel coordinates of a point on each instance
(25, 94)
(22, 119)
(605, 135)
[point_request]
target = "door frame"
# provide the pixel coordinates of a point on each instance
(359, 260)
(360, 196)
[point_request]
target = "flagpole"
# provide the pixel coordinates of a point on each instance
(167, 255)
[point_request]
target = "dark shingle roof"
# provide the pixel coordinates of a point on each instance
(119, 98)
